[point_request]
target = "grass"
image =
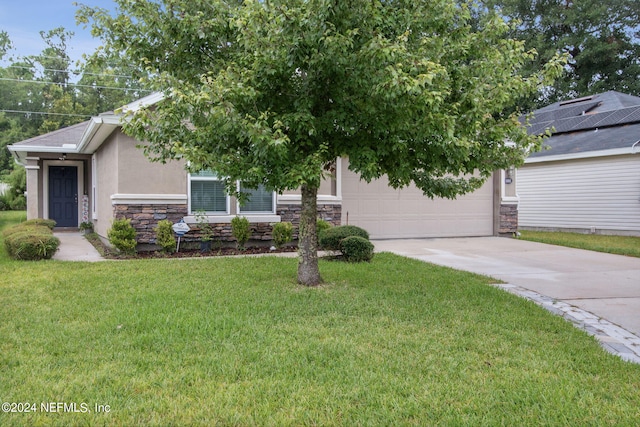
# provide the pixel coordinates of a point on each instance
(8, 218)
(619, 245)
(235, 341)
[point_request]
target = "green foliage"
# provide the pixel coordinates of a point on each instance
(356, 249)
(330, 239)
(13, 198)
(30, 240)
(49, 223)
(322, 225)
(241, 230)
(165, 236)
(25, 228)
(44, 87)
(420, 91)
(599, 37)
(122, 235)
(282, 233)
(206, 230)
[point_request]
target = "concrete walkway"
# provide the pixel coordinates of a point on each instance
(74, 247)
(598, 292)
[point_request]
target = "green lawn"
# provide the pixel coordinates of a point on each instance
(235, 341)
(620, 245)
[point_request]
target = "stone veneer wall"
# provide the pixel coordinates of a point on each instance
(144, 218)
(508, 219)
(331, 213)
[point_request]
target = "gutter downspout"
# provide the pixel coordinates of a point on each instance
(633, 147)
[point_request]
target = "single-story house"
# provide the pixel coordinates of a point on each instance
(587, 179)
(93, 172)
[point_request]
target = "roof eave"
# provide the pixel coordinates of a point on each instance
(97, 132)
(582, 155)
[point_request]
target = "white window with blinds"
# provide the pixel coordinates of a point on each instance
(206, 193)
(260, 201)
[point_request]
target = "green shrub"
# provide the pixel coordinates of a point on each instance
(50, 223)
(330, 239)
(356, 249)
(206, 230)
(5, 204)
(21, 228)
(165, 237)
(241, 230)
(322, 225)
(282, 233)
(13, 198)
(122, 235)
(31, 243)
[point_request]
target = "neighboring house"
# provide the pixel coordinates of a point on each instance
(588, 177)
(93, 172)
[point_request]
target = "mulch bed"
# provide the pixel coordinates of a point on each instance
(196, 253)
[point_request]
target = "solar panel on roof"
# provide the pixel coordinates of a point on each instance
(574, 111)
(542, 117)
(606, 119)
(568, 124)
(633, 116)
(538, 128)
(587, 122)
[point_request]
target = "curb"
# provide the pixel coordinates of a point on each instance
(613, 338)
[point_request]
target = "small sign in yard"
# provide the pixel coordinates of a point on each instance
(180, 228)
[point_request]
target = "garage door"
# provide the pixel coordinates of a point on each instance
(407, 213)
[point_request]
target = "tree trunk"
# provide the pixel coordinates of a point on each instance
(308, 272)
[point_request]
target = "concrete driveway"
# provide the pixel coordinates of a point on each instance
(603, 284)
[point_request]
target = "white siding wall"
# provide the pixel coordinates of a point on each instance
(581, 194)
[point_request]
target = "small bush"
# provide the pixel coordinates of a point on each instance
(330, 239)
(30, 242)
(21, 228)
(282, 233)
(50, 223)
(322, 225)
(356, 249)
(122, 235)
(165, 237)
(241, 230)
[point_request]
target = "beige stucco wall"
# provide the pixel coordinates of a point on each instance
(138, 175)
(106, 164)
(123, 169)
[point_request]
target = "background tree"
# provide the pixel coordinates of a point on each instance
(272, 92)
(601, 39)
(45, 92)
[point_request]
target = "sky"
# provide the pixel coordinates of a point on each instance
(24, 19)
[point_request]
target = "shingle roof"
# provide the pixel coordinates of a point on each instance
(604, 121)
(59, 138)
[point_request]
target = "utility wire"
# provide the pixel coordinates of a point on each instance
(77, 72)
(72, 84)
(45, 113)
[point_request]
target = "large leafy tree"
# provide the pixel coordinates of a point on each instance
(601, 39)
(271, 92)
